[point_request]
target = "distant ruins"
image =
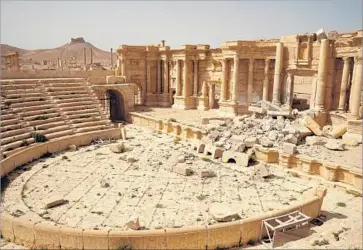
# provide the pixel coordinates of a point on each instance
(314, 71)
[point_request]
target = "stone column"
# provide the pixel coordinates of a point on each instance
(186, 82)
(235, 79)
(224, 80)
(159, 81)
(344, 83)
(148, 76)
(276, 98)
(289, 89)
(250, 81)
(195, 82)
(357, 87)
(178, 83)
(166, 76)
(322, 76)
(122, 63)
(265, 80)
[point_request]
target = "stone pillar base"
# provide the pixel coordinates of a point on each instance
(203, 103)
(164, 99)
(181, 102)
(151, 100)
(228, 108)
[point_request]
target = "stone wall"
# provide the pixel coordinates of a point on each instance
(36, 74)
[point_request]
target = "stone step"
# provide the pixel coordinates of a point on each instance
(80, 114)
(33, 108)
(20, 95)
(15, 138)
(18, 81)
(67, 97)
(59, 134)
(9, 122)
(41, 122)
(67, 88)
(18, 87)
(14, 132)
(30, 104)
(67, 92)
(93, 128)
(75, 104)
(90, 124)
(61, 80)
(7, 116)
(11, 127)
(80, 107)
(26, 99)
(39, 112)
(65, 85)
(51, 125)
(87, 118)
(41, 117)
(17, 92)
(14, 147)
(85, 98)
(57, 129)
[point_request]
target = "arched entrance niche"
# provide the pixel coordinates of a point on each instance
(116, 105)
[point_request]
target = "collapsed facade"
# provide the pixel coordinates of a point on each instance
(307, 71)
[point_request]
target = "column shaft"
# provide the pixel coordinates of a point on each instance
(265, 80)
(235, 79)
(166, 76)
(321, 81)
(195, 89)
(178, 83)
(276, 99)
(250, 81)
(357, 87)
(148, 77)
(224, 81)
(344, 84)
(289, 90)
(186, 80)
(159, 80)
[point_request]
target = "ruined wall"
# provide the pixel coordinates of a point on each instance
(36, 74)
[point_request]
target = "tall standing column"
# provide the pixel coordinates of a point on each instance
(235, 79)
(148, 76)
(195, 82)
(250, 81)
(91, 56)
(178, 83)
(276, 99)
(357, 87)
(344, 83)
(159, 80)
(122, 63)
(265, 80)
(224, 80)
(166, 76)
(84, 58)
(289, 89)
(185, 76)
(321, 81)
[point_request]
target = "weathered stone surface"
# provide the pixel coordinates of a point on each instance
(272, 135)
(311, 124)
(223, 213)
(131, 159)
(240, 147)
(327, 129)
(291, 139)
(207, 173)
(182, 169)
(181, 159)
(352, 139)
(303, 131)
(250, 142)
(266, 142)
(289, 148)
(338, 131)
(315, 140)
(204, 121)
(119, 148)
(261, 169)
(53, 202)
(133, 223)
(334, 144)
(72, 148)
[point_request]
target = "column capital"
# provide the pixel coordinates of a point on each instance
(346, 59)
(251, 60)
(236, 56)
(358, 59)
(267, 60)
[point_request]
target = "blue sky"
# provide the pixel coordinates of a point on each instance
(106, 24)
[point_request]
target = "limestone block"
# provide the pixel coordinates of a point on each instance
(23, 232)
(265, 142)
(241, 159)
(123, 132)
(250, 141)
(72, 147)
(215, 152)
(334, 144)
(115, 79)
(303, 131)
(133, 223)
(352, 139)
(240, 147)
(198, 146)
(119, 148)
(338, 131)
(289, 148)
(223, 213)
(204, 121)
(71, 238)
(291, 139)
(7, 226)
(182, 169)
(315, 140)
(46, 236)
(261, 170)
(311, 124)
(207, 173)
(95, 239)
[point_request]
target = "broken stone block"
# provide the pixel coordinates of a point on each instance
(261, 170)
(104, 184)
(205, 121)
(303, 131)
(181, 159)
(311, 124)
(352, 139)
(241, 159)
(265, 142)
(199, 146)
(240, 147)
(327, 129)
(223, 213)
(334, 144)
(250, 142)
(182, 169)
(53, 202)
(338, 131)
(315, 140)
(131, 159)
(123, 132)
(291, 139)
(72, 148)
(119, 148)
(206, 173)
(215, 152)
(289, 148)
(219, 144)
(133, 223)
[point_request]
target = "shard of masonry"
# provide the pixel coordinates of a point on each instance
(254, 143)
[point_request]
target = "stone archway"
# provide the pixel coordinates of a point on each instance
(116, 105)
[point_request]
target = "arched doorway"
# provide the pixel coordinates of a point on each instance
(116, 105)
